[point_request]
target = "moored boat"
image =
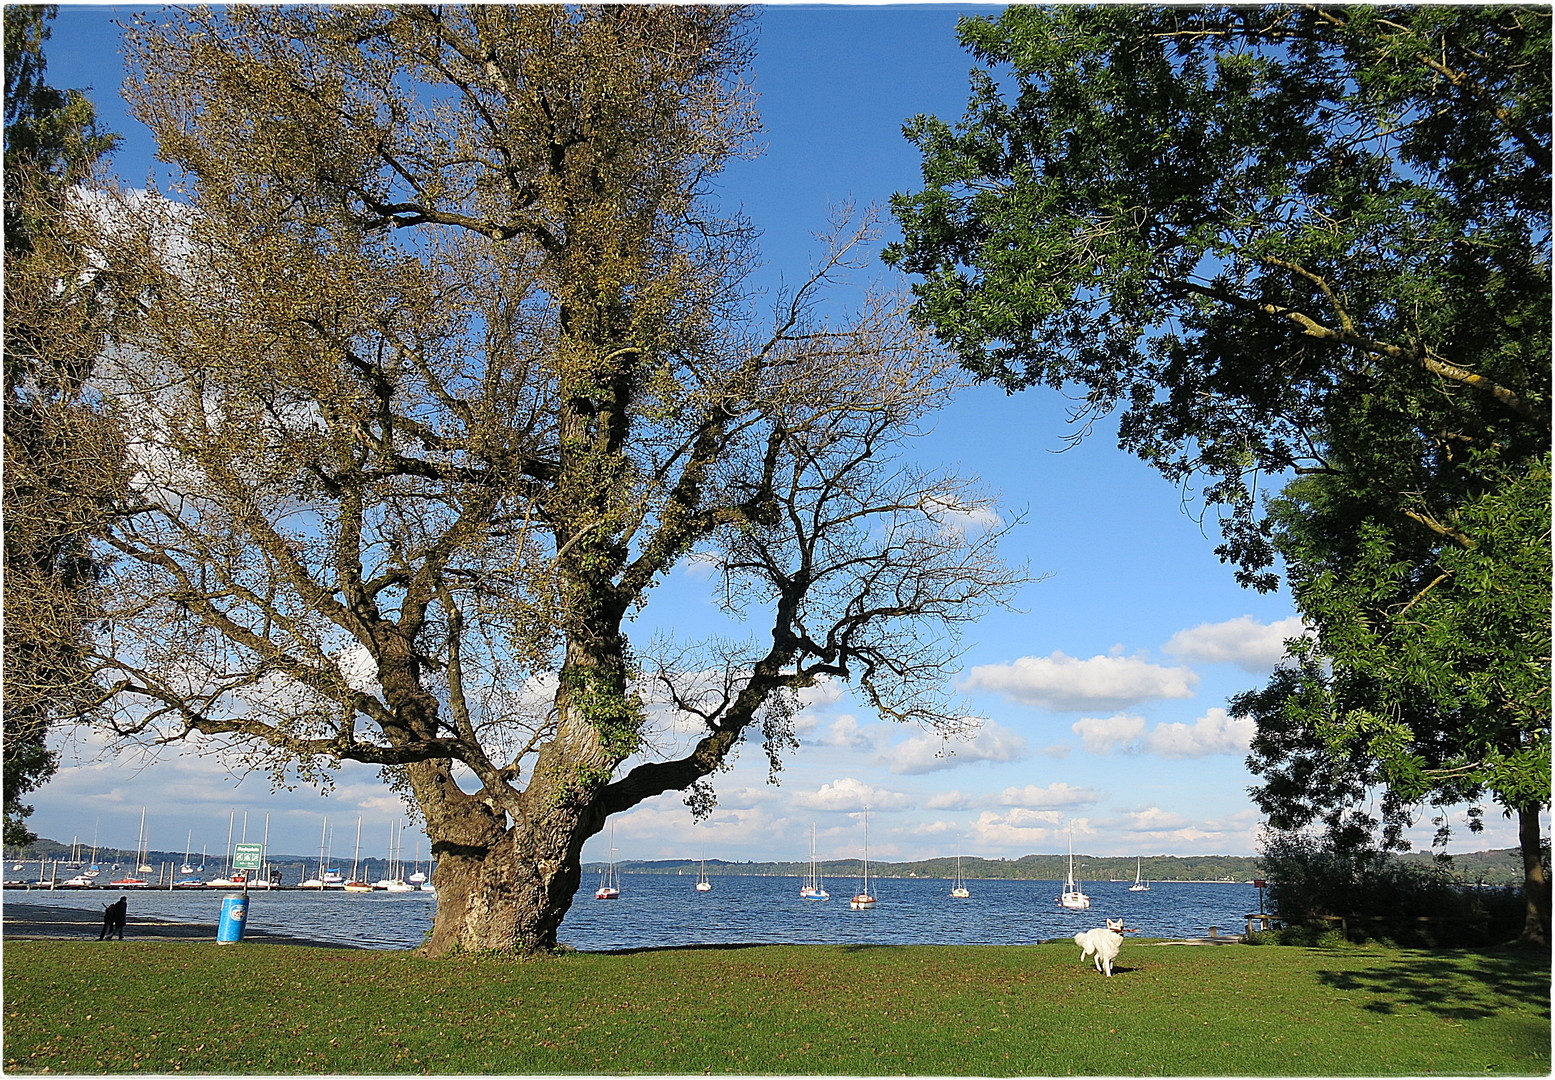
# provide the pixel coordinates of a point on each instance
(959, 891)
(863, 900)
(1072, 898)
(609, 886)
(812, 889)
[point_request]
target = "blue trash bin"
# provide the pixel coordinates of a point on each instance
(234, 914)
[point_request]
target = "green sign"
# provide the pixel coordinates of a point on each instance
(248, 856)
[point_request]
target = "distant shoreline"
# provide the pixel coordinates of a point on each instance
(46, 922)
(1501, 866)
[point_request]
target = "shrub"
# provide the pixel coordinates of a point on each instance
(1416, 905)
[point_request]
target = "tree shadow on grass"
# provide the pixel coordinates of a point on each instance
(1459, 987)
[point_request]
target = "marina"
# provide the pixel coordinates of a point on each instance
(666, 911)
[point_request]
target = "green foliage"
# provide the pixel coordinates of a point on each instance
(62, 468)
(1429, 676)
(478, 313)
(987, 1011)
(1307, 242)
(1382, 897)
(1262, 231)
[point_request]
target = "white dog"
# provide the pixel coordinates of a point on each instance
(1104, 943)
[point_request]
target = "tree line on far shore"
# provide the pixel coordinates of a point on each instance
(1498, 867)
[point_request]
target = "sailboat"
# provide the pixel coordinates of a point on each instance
(356, 884)
(609, 887)
(864, 899)
(1072, 897)
(960, 891)
(191, 878)
(129, 882)
(91, 872)
(329, 873)
(317, 882)
(1138, 886)
(703, 885)
(812, 889)
(391, 881)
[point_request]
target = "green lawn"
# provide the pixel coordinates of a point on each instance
(90, 1007)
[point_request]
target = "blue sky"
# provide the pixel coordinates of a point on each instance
(1104, 693)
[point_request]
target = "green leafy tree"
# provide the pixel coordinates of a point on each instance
(61, 461)
(446, 364)
(1428, 678)
(1308, 241)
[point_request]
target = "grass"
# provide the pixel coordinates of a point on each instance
(164, 1007)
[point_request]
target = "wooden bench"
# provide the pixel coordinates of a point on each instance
(1265, 921)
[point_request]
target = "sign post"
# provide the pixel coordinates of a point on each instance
(234, 909)
(250, 857)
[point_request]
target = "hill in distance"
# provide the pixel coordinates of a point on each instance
(1497, 867)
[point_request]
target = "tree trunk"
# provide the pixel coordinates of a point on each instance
(510, 897)
(1536, 885)
(504, 881)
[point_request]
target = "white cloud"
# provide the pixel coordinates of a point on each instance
(928, 752)
(949, 800)
(824, 692)
(850, 794)
(1102, 735)
(1213, 733)
(1155, 830)
(1045, 798)
(960, 520)
(1017, 831)
(847, 733)
(1067, 684)
(1151, 819)
(358, 668)
(1246, 642)
(701, 566)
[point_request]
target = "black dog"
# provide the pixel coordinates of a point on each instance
(114, 918)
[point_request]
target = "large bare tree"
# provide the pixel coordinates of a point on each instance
(445, 361)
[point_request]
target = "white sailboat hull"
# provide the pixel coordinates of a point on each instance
(1072, 898)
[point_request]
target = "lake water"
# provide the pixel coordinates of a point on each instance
(657, 910)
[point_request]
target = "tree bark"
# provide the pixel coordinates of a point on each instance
(1536, 885)
(502, 884)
